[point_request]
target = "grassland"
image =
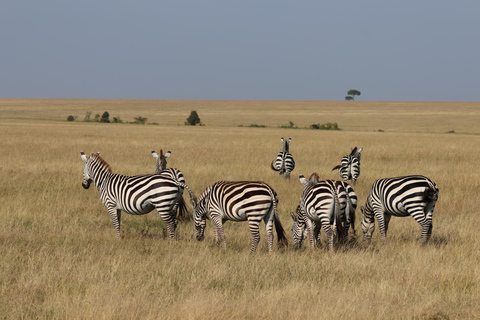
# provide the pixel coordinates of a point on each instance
(60, 258)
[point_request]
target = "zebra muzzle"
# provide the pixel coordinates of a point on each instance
(86, 184)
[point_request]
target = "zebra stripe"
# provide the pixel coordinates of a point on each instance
(284, 162)
(324, 203)
(414, 196)
(239, 201)
(135, 195)
(349, 168)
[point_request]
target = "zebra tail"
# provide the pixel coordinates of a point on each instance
(351, 214)
(430, 194)
(182, 210)
(338, 218)
(282, 238)
(337, 167)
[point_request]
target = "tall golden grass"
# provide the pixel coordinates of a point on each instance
(60, 258)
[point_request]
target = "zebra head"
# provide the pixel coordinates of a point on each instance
(86, 171)
(285, 144)
(299, 229)
(368, 222)
(161, 160)
(200, 216)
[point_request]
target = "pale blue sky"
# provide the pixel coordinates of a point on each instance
(240, 50)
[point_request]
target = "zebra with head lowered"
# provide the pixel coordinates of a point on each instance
(414, 196)
(349, 168)
(136, 195)
(251, 201)
(322, 204)
(284, 162)
(161, 168)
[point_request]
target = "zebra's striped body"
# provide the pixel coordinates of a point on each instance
(414, 196)
(251, 201)
(349, 168)
(284, 162)
(322, 204)
(173, 173)
(136, 195)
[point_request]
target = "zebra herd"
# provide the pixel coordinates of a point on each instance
(329, 205)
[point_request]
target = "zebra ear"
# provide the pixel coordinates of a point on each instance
(154, 154)
(83, 156)
(166, 155)
(289, 140)
(282, 139)
(303, 180)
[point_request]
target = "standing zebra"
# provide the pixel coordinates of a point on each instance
(414, 196)
(323, 203)
(133, 194)
(239, 201)
(284, 162)
(161, 168)
(349, 169)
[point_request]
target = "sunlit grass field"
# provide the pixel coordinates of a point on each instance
(60, 258)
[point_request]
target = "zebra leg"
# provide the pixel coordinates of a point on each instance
(269, 226)
(310, 231)
(422, 219)
(254, 230)
(219, 231)
(115, 215)
(169, 222)
(329, 232)
(316, 233)
(429, 214)
(387, 218)
(380, 215)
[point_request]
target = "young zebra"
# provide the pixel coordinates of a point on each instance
(324, 203)
(349, 169)
(161, 160)
(414, 196)
(239, 201)
(161, 168)
(284, 162)
(133, 194)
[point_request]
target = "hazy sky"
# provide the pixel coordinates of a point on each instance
(240, 50)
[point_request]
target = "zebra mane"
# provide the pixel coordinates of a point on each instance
(102, 162)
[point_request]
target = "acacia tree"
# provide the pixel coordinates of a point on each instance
(352, 93)
(349, 98)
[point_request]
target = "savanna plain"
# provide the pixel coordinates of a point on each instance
(60, 258)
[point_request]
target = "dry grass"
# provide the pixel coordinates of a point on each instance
(60, 258)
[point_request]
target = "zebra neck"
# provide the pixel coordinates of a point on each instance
(101, 179)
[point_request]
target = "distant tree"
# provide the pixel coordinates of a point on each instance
(97, 117)
(193, 119)
(140, 120)
(70, 118)
(349, 98)
(105, 117)
(353, 93)
(87, 116)
(117, 120)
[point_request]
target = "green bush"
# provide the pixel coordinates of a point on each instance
(193, 119)
(105, 117)
(326, 126)
(70, 118)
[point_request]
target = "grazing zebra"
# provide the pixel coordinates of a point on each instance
(133, 194)
(349, 169)
(324, 203)
(239, 201)
(284, 162)
(161, 168)
(414, 196)
(161, 160)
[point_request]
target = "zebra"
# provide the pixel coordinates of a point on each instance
(323, 203)
(239, 201)
(349, 168)
(161, 168)
(161, 160)
(414, 196)
(284, 162)
(136, 195)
